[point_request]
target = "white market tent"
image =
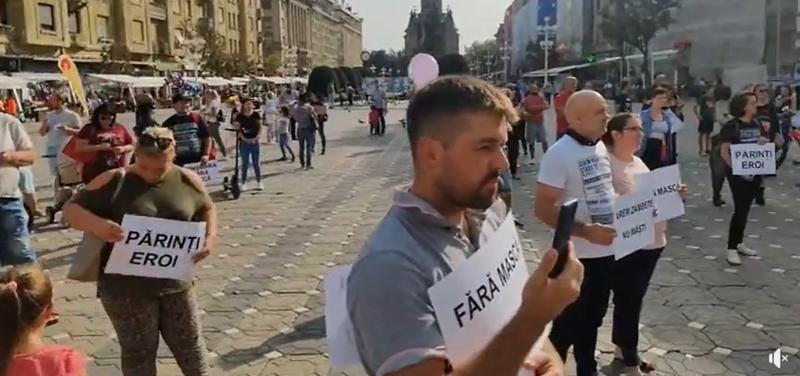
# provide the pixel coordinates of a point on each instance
(11, 83)
(130, 81)
(214, 81)
(282, 80)
(38, 77)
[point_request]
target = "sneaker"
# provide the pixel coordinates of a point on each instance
(283, 159)
(733, 257)
(719, 203)
(742, 249)
(260, 186)
(309, 167)
(244, 187)
(293, 159)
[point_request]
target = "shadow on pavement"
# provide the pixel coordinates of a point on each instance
(310, 330)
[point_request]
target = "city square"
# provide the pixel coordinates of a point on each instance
(419, 116)
(261, 292)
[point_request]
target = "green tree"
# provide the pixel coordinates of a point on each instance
(272, 63)
(479, 53)
(634, 23)
(320, 79)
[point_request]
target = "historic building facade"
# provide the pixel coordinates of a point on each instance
(431, 30)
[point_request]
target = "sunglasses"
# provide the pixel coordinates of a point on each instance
(160, 143)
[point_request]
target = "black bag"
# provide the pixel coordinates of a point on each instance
(220, 116)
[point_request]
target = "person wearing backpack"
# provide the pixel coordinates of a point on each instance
(192, 139)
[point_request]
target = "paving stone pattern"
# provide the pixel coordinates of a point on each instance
(261, 292)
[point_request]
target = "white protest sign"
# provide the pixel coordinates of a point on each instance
(475, 301)
(209, 172)
(157, 248)
(338, 327)
(634, 222)
(753, 159)
(665, 183)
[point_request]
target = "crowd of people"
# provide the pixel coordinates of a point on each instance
(465, 152)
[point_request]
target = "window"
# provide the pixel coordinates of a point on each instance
(74, 24)
(138, 31)
(47, 17)
(221, 15)
(189, 8)
(230, 45)
(252, 48)
(252, 24)
(268, 4)
(102, 27)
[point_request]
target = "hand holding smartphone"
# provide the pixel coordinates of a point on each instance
(566, 218)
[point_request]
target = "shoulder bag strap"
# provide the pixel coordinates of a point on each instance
(118, 188)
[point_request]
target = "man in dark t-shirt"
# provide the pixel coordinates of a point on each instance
(192, 140)
(707, 111)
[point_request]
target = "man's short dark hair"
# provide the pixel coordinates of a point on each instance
(738, 103)
(451, 96)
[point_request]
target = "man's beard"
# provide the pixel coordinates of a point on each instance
(477, 199)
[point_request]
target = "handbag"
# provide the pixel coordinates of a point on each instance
(85, 265)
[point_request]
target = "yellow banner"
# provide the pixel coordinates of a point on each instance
(70, 73)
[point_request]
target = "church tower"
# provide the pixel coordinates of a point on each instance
(431, 7)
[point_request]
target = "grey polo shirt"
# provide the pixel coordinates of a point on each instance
(412, 248)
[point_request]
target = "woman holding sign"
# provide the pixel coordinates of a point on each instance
(141, 308)
(742, 129)
(632, 273)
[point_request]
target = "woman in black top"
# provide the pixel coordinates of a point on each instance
(742, 129)
(248, 124)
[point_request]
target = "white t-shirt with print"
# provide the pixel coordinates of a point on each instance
(584, 173)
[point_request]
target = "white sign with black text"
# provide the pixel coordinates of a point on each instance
(634, 222)
(209, 172)
(338, 327)
(753, 159)
(665, 183)
(157, 248)
(475, 301)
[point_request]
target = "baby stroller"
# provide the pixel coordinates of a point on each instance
(67, 182)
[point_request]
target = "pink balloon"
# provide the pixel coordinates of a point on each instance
(423, 69)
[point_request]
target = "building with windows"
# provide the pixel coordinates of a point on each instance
(301, 34)
(140, 34)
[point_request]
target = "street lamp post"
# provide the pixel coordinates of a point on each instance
(546, 45)
(489, 59)
(505, 49)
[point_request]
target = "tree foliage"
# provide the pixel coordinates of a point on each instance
(479, 53)
(341, 78)
(320, 79)
(635, 23)
(392, 62)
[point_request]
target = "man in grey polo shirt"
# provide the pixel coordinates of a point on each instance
(457, 128)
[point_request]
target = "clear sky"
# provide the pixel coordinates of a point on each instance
(385, 21)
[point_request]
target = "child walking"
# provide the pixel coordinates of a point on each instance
(374, 121)
(283, 133)
(26, 308)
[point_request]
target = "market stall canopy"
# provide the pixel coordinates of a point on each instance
(131, 81)
(7, 83)
(38, 77)
(243, 80)
(214, 81)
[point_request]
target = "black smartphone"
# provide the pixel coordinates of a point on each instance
(566, 217)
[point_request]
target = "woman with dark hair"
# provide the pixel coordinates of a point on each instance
(742, 129)
(108, 142)
(632, 273)
(660, 125)
(144, 117)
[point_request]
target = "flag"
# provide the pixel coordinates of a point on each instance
(70, 73)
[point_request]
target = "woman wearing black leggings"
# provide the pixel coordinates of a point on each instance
(322, 117)
(742, 129)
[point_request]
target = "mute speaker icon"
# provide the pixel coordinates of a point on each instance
(777, 358)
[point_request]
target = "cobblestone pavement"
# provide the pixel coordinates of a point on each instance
(261, 293)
